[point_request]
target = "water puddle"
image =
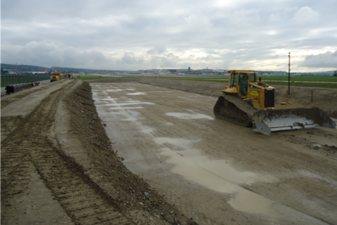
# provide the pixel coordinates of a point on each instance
(188, 116)
(318, 177)
(116, 104)
(216, 175)
(123, 108)
(242, 199)
(250, 202)
(136, 93)
(108, 104)
(119, 89)
(114, 109)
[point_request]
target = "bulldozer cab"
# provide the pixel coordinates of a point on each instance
(245, 101)
(240, 80)
(243, 82)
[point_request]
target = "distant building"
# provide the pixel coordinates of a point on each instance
(268, 73)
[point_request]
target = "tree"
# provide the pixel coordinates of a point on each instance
(335, 73)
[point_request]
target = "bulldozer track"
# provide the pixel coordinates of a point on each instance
(233, 109)
(81, 198)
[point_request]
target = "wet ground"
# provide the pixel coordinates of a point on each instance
(59, 166)
(216, 172)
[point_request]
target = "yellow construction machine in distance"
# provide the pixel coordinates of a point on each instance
(55, 76)
(69, 76)
(249, 102)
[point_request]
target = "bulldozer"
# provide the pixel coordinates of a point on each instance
(69, 76)
(250, 102)
(55, 76)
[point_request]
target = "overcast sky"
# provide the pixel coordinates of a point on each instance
(145, 34)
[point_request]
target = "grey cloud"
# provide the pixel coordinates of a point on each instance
(305, 15)
(157, 50)
(163, 62)
(50, 54)
(130, 58)
(328, 59)
(70, 32)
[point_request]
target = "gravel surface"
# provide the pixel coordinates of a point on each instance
(149, 151)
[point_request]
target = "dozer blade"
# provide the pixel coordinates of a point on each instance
(267, 121)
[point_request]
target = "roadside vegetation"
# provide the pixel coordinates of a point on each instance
(89, 78)
(301, 78)
(302, 81)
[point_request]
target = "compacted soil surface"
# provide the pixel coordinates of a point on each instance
(149, 151)
(57, 165)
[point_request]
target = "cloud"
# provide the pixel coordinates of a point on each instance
(157, 50)
(327, 60)
(50, 54)
(246, 16)
(275, 18)
(197, 23)
(140, 34)
(305, 15)
(130, 58)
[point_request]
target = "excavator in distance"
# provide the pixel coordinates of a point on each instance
(248, 102)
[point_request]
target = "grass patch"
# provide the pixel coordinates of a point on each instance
(90, 78)
(301, 78)
(300, 81)
(209, 78)
(304, 84)
(272, 80)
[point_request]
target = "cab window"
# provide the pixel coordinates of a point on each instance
(243, 83)
(234, 79)
(252, 77)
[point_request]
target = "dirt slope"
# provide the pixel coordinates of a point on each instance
(68, 191)
(132, 194)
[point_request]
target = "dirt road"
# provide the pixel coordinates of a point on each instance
(153, 155)
(214, 171)
(58, 167)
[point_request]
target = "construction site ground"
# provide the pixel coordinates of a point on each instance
(149, 151)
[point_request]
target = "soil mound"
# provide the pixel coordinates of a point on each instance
(134, 197)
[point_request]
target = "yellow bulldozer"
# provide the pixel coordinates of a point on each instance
(55, 76)
(249, 102)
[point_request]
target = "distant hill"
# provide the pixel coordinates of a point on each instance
(79, 70)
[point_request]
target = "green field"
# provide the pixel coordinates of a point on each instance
(89, 78)
(303, 81)
(301, 78)
(304, 84)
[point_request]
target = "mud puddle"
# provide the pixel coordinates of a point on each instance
(216, 175)
(137, 93)
(188, 116)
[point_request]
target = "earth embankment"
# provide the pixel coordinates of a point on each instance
(58, 166)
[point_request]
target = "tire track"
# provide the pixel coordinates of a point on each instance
(28, 148)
